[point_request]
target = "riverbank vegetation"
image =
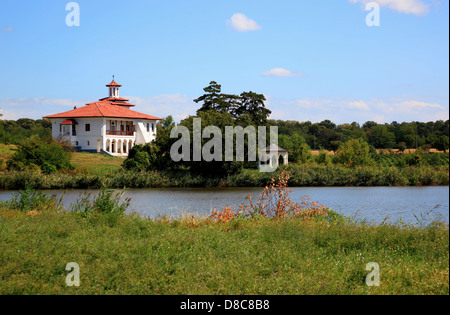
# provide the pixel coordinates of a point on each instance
(273, 246)
(309, 175)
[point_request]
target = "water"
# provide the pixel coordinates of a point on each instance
(371, 203)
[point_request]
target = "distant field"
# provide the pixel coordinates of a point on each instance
(93, 162)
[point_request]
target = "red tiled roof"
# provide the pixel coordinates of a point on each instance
(114, 83)
(69, 122)
(117, 101)
(104, 109)
(114, 99)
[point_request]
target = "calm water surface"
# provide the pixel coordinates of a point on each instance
(371, 203)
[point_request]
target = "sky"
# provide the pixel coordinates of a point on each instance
(313, 60)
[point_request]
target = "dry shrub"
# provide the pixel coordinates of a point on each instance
(274, 203)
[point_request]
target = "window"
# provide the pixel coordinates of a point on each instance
(88, 127)
(89, 143)
(153, 127)
(148, 127)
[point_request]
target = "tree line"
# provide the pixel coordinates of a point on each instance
(17, 131)
(329, 136)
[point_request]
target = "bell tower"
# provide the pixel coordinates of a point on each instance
(114, 89)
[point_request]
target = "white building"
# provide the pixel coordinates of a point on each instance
(273, 156)
(108, 126)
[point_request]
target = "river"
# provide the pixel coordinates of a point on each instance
(374, 204)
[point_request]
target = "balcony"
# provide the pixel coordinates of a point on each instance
(119, 133)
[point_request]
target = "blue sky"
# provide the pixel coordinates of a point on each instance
(313, 60)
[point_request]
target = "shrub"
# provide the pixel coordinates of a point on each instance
(274, 203)
(354, 152)
(323, 158)
(47, 155)
(32, 201)
(104, 203)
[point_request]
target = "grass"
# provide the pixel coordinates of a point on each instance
(194, 256)
(94, 162)
(255, 255)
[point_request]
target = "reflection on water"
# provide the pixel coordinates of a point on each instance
(371, 203)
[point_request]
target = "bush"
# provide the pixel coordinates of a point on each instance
(104, 203)
(35, 152)
(323, 158)
(30, 200)
(354, 152)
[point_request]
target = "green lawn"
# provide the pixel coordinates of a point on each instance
(96, 162)
(131, 255)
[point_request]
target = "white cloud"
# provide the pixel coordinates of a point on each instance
(416, 7)
(358, 105)
(342, 110)
(35, 107)
(242, 23)
(419, 105)
(337, 109)
(281, 72)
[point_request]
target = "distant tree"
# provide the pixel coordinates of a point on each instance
(253, 104)
(168, 122)
(213, 99)
(247, 108)
(354, 152)
(443, 143)
(402, 147)
(301, 154)
(328, 124)
(380, 137)
(369, 125)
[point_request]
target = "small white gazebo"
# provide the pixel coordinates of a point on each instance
(272, 155)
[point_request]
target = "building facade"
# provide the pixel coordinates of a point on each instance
(108, 126)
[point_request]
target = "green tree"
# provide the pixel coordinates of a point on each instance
(354, 152)
(253, 104)
(380, 137)
(46, 155)
(213, 99)
(211, 168)
(301, 154)
(443, 143)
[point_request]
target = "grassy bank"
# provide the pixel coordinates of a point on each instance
(307, 175)
(242, 254)
(191, 256)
